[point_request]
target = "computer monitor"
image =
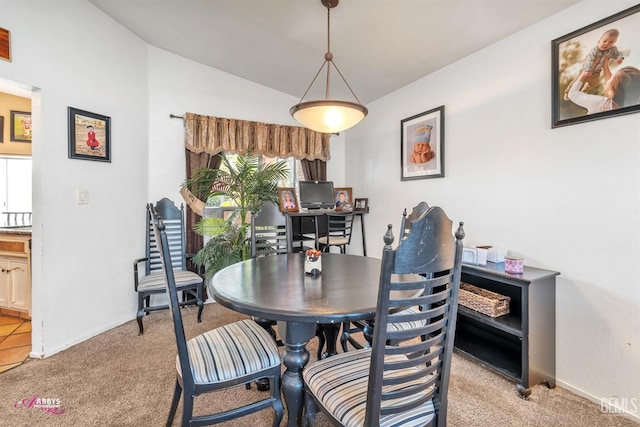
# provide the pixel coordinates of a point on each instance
(316, 194)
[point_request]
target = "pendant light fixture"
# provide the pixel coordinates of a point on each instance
(328, 115)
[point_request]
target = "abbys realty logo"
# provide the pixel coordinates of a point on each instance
(51, 405)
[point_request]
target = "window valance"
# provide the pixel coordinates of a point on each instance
(212, 135)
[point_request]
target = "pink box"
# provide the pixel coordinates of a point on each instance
(513, 264)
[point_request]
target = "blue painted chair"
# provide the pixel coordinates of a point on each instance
(217, 360)
(404, 384)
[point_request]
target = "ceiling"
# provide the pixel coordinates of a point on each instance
(379, 46)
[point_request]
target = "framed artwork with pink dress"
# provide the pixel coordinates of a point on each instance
(89, 135)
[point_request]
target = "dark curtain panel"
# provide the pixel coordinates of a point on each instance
(195, 161)
(314, 170)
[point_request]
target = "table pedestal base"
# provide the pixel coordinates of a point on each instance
(295, 336)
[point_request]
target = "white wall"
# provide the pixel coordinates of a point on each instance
(567, 199)
(71, 54)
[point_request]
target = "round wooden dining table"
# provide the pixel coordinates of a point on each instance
(277, 288)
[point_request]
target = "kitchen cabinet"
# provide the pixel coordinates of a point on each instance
(15, 272)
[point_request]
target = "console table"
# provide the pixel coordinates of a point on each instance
(300, 228)
(519, 345)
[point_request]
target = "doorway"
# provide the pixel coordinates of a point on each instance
(16, 189)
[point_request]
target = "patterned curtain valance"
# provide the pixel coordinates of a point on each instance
(213, 135)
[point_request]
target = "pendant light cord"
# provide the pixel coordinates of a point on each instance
(328, 58)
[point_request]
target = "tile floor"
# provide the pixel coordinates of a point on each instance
(15, 339)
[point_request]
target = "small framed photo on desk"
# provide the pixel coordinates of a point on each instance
(361, 205)
(288, 199)
(342, 196)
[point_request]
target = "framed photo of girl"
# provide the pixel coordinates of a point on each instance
(422, 145)
(288, 199)
(596, 70)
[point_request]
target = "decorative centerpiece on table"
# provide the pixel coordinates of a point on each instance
(313, 262)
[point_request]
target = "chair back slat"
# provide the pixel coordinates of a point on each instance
(174, 231)
(415, 369)
(340, 226)
(270, 231)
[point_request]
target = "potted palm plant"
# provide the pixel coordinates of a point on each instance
(246, 183)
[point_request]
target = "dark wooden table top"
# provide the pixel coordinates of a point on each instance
(276, 287)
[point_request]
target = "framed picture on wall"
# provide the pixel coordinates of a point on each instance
(342, 197)
(422, 145)
(89, 135)
(20, 126)
(5, 44)
(596, 70)
(288, 199)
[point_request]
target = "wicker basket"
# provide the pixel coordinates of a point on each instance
(484, 301)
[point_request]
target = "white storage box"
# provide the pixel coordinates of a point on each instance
(474, 255)
(494, 254)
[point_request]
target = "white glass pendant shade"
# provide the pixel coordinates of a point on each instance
(328, 116)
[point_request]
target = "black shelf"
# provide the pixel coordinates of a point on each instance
(521, 344)
(509, 323)
(500, 352)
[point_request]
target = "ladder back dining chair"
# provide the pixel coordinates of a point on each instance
(366, 326)
(217, 360)
(405, 384)
(338, 233)
(148, 277)
(269, 236)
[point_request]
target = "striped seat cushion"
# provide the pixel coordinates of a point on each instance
(406, 325)
(156, 280)
(396, 326)
(231, 351)
(340, 384)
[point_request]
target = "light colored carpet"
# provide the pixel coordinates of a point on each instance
(121, 379)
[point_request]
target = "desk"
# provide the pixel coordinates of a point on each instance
(275, 287)
(298, 229)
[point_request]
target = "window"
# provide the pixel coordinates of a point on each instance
(295, 175)
(15, 184)
(295, 170)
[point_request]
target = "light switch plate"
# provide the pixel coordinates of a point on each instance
(82, 197)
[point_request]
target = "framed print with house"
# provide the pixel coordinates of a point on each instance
(20, 126)
(89, 135)
(422, 145)
(596, 70)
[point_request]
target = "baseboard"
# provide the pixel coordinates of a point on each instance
(627, 407)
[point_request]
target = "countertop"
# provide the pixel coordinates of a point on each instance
(16, 230)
